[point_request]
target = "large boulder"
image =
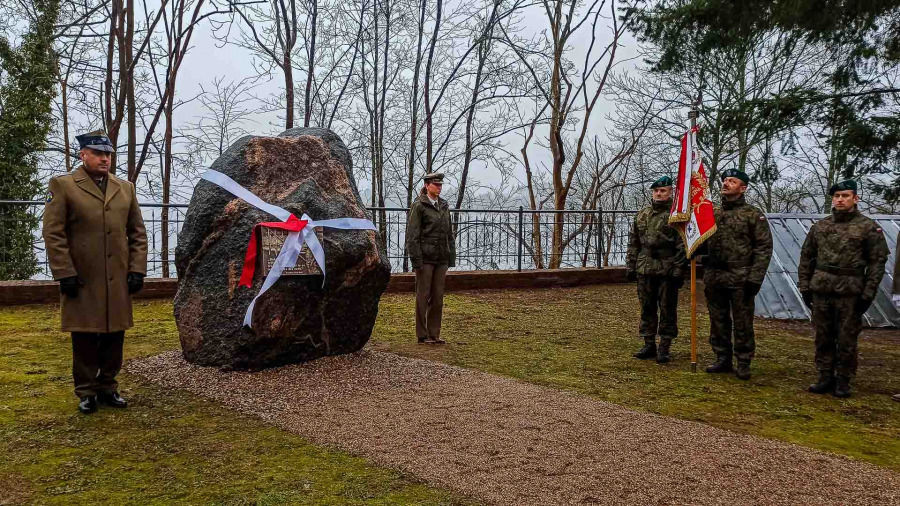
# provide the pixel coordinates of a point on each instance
(304, 170)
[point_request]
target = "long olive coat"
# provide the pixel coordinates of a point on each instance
(429, 234)
(99, 238)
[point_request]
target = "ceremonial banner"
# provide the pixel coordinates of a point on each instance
(692, 211)
(299, 232)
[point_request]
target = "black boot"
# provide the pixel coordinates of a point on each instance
(88, 404)
(648, 351)
(722, 364)
(112, 399)
(824, 385)
(662, 352)
(842, 389)
(743, 370)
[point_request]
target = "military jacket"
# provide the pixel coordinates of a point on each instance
(844, 254)
(429, 233)
(655, 248)
(740, 249)
(99, 237)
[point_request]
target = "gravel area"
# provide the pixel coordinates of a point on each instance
(508, 442)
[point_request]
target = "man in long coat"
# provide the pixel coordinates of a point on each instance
(97, 250)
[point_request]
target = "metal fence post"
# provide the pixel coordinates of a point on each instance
(521, 236)
(600, 238)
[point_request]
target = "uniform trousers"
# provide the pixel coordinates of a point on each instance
(730, 313)
(430, 300)
(838, 324)
(659, 307)
(96, 360)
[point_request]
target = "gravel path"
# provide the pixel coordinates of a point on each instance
(509, 442)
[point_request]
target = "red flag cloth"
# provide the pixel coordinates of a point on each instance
(293, 224)
(692, 211)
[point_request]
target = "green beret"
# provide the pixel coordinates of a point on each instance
(95, 140)
(433, 177)
(663, 181)
(847, 184)
(736, 173)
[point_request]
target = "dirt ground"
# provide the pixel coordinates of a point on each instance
(504, 441)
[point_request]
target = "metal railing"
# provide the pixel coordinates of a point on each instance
(486, 239)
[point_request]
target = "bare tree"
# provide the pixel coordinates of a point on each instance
(272, 32)
(226, 111)
(571, 90)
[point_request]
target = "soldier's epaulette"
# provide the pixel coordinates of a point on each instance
(60, 176)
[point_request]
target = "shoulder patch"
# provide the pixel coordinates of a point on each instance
(762, 217)
(49, 197)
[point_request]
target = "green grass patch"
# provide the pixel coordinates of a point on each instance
(581, 339)
(168, 446)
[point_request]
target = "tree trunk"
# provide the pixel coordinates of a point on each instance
(288, 91)
(311, 68)
(414, 123)
(428, 111)
(129, 89)
(167, 180)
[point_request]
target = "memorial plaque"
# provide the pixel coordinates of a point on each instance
(272, 239)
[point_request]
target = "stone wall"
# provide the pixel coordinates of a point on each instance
(44, 292)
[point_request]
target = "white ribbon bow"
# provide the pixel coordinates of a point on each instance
(293, 245)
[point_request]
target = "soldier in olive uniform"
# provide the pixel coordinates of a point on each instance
(656, 260)
(737, 257)
(841, 266)
(432, 250)
(97, 250)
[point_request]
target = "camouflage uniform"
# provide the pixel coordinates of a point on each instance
(841, 266)
(656, 256)
(738, 255)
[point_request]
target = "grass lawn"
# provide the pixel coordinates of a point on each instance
(170, 446)
(167, 446)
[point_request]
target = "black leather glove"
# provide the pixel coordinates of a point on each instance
(807, 298)
(69, 286)
(135, 282)
(630, 275)
(677, 282)
(862, 305)
(751, 289)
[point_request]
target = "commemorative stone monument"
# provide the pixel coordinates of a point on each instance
(224, 256)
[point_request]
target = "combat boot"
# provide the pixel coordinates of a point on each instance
(842, 388)
(722, 364)
(743, 370)
(648, 351)
(662, 352)
(824, 385)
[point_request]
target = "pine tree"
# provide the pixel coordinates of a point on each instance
(26, 96)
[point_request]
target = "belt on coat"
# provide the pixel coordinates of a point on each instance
(842, 271)
(725, 264)
(658, 252)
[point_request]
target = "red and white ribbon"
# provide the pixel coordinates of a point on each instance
(300, 232)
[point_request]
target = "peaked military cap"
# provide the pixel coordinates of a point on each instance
(736, 173)
(663, 181)
(95, 140)
(433, 177)
(847, 184)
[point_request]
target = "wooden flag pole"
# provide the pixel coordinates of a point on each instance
(693, 315)
(695, 112)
